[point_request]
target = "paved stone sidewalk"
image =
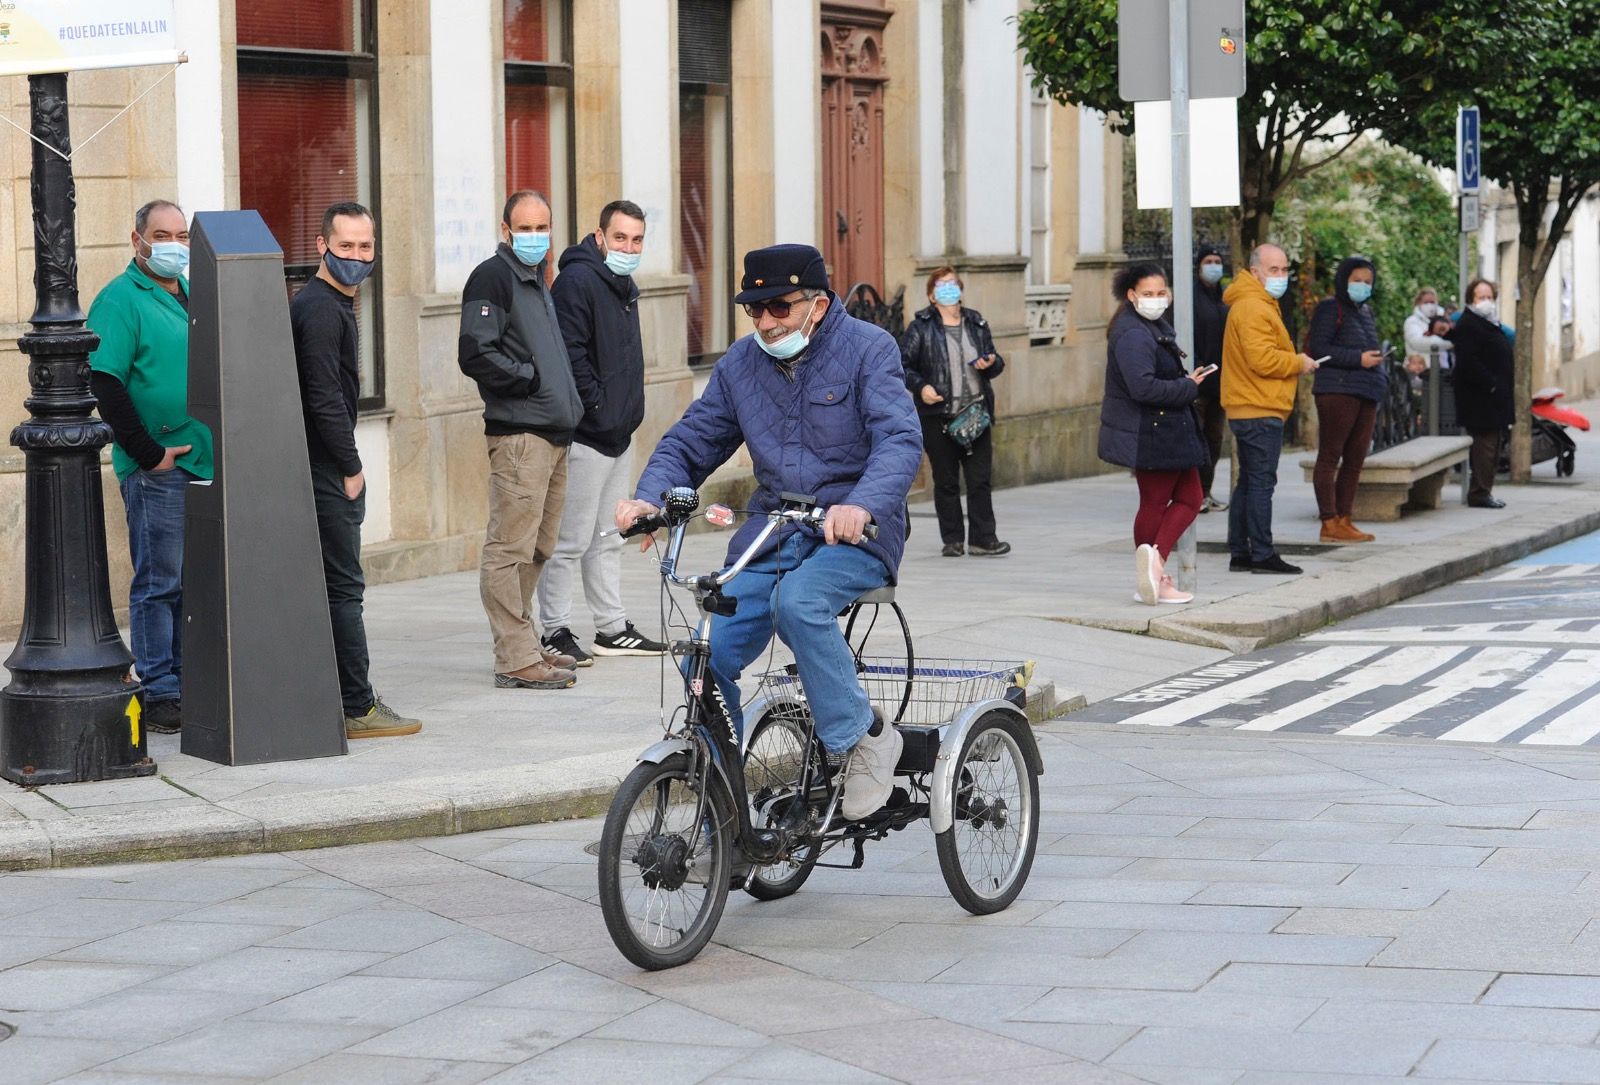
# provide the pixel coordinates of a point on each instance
(492, 757)
(1206, 908)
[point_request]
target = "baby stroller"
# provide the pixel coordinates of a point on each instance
(1550, 438)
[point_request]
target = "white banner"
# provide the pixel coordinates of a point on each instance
(38, 36)
(1213, 153)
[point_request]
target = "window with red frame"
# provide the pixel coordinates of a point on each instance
(705, 191)
(307, 118)
(538, 77)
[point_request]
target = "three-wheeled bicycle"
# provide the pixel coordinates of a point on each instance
(702, 814)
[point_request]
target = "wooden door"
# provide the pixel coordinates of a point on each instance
(853, 79)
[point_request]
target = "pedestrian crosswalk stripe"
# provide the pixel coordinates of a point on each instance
(1484, 669)
(1552, 687)
(1399, 668)
(1313, 666)
(1564, 631)
(1573, 727)
(1541, 572)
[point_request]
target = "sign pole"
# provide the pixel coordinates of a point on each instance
(1182, 562)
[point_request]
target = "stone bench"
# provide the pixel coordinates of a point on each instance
(1410, 475)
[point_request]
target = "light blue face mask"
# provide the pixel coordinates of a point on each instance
(167, 259)
(791, 344)
(1359, 292)
(947, 294)
(1211, 273)
(530, 248)
(1277, 285)
(623, 263)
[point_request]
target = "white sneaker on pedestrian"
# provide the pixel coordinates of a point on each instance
(1146, 573)
(869, 773)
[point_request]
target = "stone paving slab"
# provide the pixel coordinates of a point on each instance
(490, 758)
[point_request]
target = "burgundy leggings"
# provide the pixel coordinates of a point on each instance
(1168, 503)
(1344, 425)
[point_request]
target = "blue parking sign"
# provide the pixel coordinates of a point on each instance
(1469, 151)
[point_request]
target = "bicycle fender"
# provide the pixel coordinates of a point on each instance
(941, 797)
(665, 749)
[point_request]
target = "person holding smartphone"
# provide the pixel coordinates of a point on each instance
(1148, 423)
(1347, 388)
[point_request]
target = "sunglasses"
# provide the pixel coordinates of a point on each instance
(779, 309)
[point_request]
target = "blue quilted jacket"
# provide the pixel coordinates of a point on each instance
(844, 429)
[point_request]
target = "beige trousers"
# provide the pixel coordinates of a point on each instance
(527, 487)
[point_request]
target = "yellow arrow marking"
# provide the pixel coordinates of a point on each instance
(133, 718)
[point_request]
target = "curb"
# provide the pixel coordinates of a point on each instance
(1306, 604)
(575, 787)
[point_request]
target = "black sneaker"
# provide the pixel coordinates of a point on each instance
(629, 642)
(1240, 565)
(952, 550)
(562, 641)
(993, 550)
(1274, 564)
(164, 717)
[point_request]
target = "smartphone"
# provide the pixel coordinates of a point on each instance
(1324, 358)
(1206, 370)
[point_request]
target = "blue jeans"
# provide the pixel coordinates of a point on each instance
(803, 607)
(154, 502)
(1257, 445)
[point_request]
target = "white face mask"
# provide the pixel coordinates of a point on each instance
(1151, 308)
(1489, 309)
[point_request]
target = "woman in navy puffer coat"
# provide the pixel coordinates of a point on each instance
(1147, 423)
(1348, 387)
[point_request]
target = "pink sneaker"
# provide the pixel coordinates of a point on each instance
(1147, 574)
(1169, 592)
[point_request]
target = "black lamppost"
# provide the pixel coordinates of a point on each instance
(70, 712)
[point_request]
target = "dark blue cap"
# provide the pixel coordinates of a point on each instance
(777, 270)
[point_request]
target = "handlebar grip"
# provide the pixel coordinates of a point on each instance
(644, 525)
(870, 531)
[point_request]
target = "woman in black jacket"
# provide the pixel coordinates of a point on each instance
(949, 360)
(1210, 318)
(1347, 388)
(1147, 423)
(1484, 374)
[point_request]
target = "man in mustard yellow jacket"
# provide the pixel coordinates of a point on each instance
(1260, 368)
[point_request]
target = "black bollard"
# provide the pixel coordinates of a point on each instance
(70, 712)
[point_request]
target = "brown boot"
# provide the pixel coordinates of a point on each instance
(536, 675)
(1334, 531)
(1356, 532)
(556, 659)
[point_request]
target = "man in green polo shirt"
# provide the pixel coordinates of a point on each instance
(141, 378)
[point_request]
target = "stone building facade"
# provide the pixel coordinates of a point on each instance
(897, 136)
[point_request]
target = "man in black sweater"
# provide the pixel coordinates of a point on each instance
(323, 318)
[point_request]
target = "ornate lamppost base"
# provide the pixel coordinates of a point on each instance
(54, 740)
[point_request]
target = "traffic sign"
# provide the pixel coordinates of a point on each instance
(1470, 219)
(1469, 151)
(1216, 50)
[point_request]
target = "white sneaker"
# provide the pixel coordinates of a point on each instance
(1146, 574)
(869, 774)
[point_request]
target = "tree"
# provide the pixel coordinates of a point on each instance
(1541, 139)
(1318, 72)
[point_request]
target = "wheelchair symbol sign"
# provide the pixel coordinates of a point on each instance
(1469, 151)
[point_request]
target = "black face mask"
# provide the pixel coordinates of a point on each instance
(348, 272)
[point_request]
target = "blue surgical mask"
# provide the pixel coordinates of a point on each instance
(1211, 273)
(167, 259)
(623, 263)
(348, 272)
(1359, 292)
(789, 345)
(1277, 285)
(530, 248)
(947, 294)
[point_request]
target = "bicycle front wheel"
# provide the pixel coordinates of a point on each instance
(664, 863)
(986, 854)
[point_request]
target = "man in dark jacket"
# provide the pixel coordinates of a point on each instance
(819, 400)
(511, 346)
(1210, 318)
(597, 304)
(322, 318)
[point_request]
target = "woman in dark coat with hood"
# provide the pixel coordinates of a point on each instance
(1484, 374)
(1148, 423)
(1210, 318)
(949, 359)
(1347, 387)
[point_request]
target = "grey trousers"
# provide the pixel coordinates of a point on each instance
(595, 483)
